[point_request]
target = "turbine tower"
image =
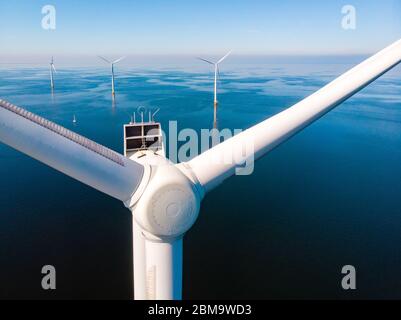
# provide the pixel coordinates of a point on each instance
(164, 197)
(112, 63)
(216, 76)
(52, 71)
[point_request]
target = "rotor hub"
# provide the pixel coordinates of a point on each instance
(170, 203)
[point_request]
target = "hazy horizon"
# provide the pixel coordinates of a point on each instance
(175, 60)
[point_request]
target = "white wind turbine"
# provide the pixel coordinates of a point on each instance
(112, 63)
(52, 71)
(165, 198)
(216, 74)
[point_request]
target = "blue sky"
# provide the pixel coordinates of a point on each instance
(197, 27)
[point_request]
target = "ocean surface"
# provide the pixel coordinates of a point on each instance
(329, 197)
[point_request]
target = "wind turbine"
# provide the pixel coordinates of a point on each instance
(112, 63)
(216, 76)
(164, 197)
(52, 71)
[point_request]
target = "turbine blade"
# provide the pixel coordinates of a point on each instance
(118, 60)
(212, 166)
(164, 269)
(104, 59)
(139, 259)
(226, 55)
(69, 153)
(205, 60)
(54, 69)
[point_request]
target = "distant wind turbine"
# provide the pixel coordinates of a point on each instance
(216, 74)
(112, 71)
(52, 71)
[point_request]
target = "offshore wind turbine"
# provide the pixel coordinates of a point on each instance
(164, 197)
(216, 76)
(52, 71)
(112, 63)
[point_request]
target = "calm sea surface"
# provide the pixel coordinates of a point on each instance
(329, 197)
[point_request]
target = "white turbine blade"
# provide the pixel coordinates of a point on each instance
(118, 60)
(139, 259)
(205, 60)
(54, 69)
(217, 163)
(163, 269)
(226, 55)
(69, 153)
(104, 59)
